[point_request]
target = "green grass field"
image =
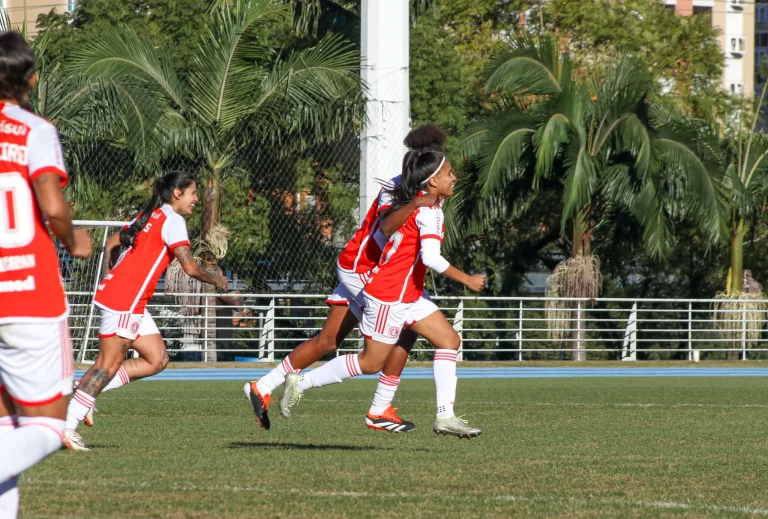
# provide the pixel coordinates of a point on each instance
(640, 447)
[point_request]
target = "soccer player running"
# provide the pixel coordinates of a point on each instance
(35, 351)
(357, 259)
(394, 295)
(151, 242)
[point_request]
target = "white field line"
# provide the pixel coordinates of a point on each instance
(639, 404)
(407, 495)
(490, 403)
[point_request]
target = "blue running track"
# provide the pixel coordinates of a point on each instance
(422, 373)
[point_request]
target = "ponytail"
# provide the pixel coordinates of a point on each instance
(424, 158)
(162, 193)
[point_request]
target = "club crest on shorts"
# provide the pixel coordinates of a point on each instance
(393, 332)
(134, 327)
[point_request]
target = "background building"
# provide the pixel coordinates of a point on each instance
(34, 8)
(735, 19)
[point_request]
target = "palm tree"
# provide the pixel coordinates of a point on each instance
(236, 92)
(602, 142)
(744, 181)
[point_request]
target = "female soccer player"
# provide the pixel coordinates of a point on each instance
(152, 241)
(393, 296)
(35, 349)
(355, 262)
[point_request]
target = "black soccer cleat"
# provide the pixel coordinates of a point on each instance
(389, 421)
(259, 403)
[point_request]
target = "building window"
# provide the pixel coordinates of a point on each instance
(737, 45)
(760, 14)
(71, 5)
(702, 10)
(762, 40)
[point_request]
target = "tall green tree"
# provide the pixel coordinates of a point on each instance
(601, 142)
(175, 25)
(237, 93)
(680, 53)
(744, 183)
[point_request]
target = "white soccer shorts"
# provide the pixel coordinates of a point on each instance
(422, 308)
(349, 291)
(127, 326)
(383, 322)
(36, 362)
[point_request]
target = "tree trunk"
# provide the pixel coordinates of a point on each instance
(211, 216)
(211, 204)
(581, 247)
(736, 274)
(737, 260)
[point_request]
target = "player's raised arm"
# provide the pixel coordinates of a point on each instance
(431, 254)
(193, 269)
(391, 221)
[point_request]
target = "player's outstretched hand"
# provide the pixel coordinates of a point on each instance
(426, 200)
(220, 282)
(476, 282)
(83, 245)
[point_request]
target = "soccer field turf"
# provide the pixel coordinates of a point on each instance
(620, 447)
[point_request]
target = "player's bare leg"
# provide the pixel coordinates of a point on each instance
(112, 352)
(370, 360)
(340, 322)
(153, 357)
(437, 330)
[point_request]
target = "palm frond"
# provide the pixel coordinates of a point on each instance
(120, 54)
(523, 67)
(309, 88)
(581, 181)
(225, 73)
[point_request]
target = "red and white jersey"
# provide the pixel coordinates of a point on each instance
(363, 250)
(30, 283)
(131, 283)
(399, 276)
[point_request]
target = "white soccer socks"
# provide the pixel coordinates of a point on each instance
(35, 438)
(119, 380)
(275, 378)
(444, 367)
(332, 372)
(79, 406)
(385, 393)
(9, 489)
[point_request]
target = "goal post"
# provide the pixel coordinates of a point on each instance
(81, 277)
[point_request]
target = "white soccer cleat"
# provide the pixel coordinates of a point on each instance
(455, 426)
(291, 394)
(73, 441)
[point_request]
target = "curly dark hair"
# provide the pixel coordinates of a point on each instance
(424, 155)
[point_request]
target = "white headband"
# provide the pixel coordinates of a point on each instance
(439, 167)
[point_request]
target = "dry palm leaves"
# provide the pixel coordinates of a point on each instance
(577, 277)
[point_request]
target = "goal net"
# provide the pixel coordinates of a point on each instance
(81, 276)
